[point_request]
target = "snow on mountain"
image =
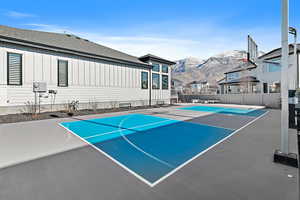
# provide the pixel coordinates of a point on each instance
(234, 53)
(211, 69)
(187, 64)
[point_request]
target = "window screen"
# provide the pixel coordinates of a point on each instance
(14, 69)
(62, 73)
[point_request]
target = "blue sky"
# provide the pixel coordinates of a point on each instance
(171, 29)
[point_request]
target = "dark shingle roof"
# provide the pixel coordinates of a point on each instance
(240, 80)
(277, 52)
(70, 43)
(198, 82)
(147, 57)
(242, 67)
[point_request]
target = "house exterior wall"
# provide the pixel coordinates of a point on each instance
(88, 79)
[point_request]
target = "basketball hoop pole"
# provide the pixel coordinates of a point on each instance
(284, 84)
(283, 155)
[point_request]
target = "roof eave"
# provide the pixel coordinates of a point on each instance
(276, 56)
(163, 61)
(150, 58)
(67, 51)
(243, 69)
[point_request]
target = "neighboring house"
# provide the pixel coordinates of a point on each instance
(176, 90)
(262, 77)
(199, 86)
(77, 69)
(240, 80)
(221, 85)
(177, 86)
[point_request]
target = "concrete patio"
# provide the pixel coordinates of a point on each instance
(52, 164)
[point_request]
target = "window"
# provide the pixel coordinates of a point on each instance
(232, 76)
(165, 69)
(155, 67)
(274, 88)
(62, 73)
(165, 82)
(274, 67)
(256, 88)
(14, 69)
(155, 81)
(144, 80)
(265, 88)
(271, 67)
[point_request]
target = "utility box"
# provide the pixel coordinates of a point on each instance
(39, 87)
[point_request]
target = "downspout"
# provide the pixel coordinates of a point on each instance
(150, 85)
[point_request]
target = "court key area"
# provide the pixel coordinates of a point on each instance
(153, 147)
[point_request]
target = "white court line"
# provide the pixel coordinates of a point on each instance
(222, 110)
(174, 170)
(140, 126)
(187, 162)
(140, 149)
(111, 158)
(202, 124)
(168, 115)
(245, 114)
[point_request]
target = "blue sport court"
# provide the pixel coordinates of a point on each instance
(227, 110)
(150, 147)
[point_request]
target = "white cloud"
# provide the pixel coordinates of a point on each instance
(201, 43)
(170, 48)
(15, 14)
(178, 48)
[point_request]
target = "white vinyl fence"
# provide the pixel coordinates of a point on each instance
(269, 100)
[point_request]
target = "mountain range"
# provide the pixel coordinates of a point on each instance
(211, 69)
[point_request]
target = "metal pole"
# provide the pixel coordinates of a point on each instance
(295, 59)
(284, 79)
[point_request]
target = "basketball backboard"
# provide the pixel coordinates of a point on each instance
(252, 50)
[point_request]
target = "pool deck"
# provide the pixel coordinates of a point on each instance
(239, 168)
